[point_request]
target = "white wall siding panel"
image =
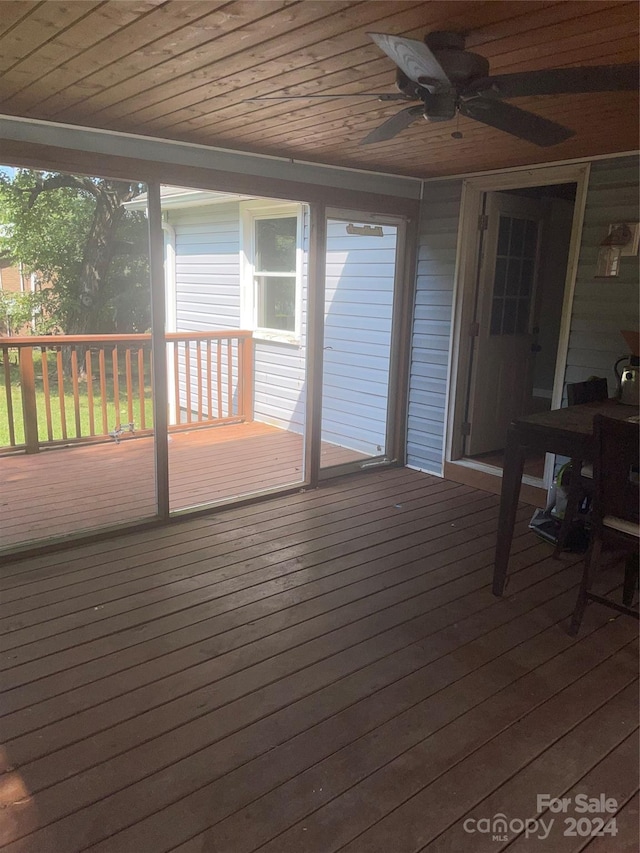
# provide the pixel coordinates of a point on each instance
(439, 217)
(604, 306)
(360, 272)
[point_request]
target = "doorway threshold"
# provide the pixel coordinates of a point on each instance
(488, 478)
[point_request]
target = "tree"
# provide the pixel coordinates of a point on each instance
(75, 234)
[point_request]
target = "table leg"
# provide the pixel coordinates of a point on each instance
(512, 471)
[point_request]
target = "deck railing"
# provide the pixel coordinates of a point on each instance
(63, 389)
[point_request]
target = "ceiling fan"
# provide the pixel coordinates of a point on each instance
(447, 79)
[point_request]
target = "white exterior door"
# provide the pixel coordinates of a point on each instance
(502, 369)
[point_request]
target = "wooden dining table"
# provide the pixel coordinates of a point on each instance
(566, 432)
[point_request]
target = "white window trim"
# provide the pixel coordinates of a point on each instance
(250, 211)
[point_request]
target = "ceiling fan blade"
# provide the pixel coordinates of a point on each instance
(517, 122)
(558, 81)
(415, 60)
(381, 96)
(392, 126)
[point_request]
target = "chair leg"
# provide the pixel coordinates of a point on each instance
(573, 499)
(590, 564)
(630, 579)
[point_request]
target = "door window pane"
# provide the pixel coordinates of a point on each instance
(503, 235)
(513, 275)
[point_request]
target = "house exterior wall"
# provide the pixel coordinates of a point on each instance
(601, 307)
(357, 336)
(437, 243)
(604, 306)
(11, 278)
(208, 298)
(359, 298)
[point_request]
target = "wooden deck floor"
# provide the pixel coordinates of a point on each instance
(71, 489)
(324, 672)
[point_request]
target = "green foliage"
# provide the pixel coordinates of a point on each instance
(24, 313)
(50, 227)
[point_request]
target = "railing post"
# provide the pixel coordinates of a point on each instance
(246, 366)
(29, 408)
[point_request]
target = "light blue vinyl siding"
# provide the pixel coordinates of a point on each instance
(437, 244)
(604, 306)
(207, 267)
(207, 245)
(357, 337)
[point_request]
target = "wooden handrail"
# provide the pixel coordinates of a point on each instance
(51, 341)
(102, 384)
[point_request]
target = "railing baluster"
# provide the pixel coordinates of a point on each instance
(89, 370)
(143, 420)
(151, 377)
(219, 375)
(199, 375)
(76, 391)
(47, 392)
(103, 390)
(245, 352)
(176, 375)
(187, 377)
(127, 358)
(116, 386)
(209, 381)
(9, 395)
(61, 400)
(29, 407)
(229, 378)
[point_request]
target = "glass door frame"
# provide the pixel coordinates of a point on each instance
(398, 350)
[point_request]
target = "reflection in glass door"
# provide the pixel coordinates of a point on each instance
(358, 317)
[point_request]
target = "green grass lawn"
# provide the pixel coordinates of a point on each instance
(69, 408)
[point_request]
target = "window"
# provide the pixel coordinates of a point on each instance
(272, 254)
(514, 276)
(275, 272)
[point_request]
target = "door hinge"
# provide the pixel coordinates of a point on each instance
(466, 428)
(474, 329)
(483, 222)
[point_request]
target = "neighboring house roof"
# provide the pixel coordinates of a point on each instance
(173, 197)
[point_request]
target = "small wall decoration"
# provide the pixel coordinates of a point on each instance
(622, 240)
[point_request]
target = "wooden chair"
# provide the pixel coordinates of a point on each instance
(591, 391)
(615, 514)
(581, 477)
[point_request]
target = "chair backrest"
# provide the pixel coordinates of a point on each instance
(591, 391)
(615, 469)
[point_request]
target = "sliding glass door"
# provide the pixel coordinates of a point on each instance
(235, 285)
(76, 416)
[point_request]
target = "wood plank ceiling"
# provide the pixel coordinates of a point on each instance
(184, 70)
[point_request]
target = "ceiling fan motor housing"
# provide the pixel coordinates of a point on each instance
(440, 107)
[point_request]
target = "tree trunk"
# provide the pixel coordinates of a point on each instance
(97, 255)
